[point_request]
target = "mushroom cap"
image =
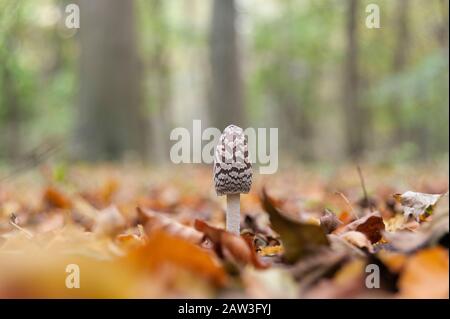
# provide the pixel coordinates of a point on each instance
(232, 166)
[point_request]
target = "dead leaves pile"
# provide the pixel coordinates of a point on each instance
(135, 234)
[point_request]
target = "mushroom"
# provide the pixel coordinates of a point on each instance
(232, 172)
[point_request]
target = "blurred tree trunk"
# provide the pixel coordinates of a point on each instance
(109, 122)
(354, 113)
(161, 121)
(227, 103)
(12, 116)
(444, 27)
(399, 62)
(442, 143)
(10, 96)
(295, 118)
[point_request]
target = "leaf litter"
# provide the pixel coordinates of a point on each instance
(135, 232)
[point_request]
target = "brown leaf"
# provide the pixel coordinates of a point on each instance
(240, 249)
(329, 221)
(153, 220)
(372, 228)
(358, 239)
(298, 239)
(370, 225)
(428, 235)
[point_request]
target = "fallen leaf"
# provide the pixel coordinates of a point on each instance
(163, 248)
(358, 239)
(329, 221)
(237, 248)
(298, 239)
(393, 260)
(313, 267)
(271, 250)
(153, 220)
(270, 283)
(370, 225)
(419, 205)
(426, 275)
(55, 198)
(109, 221)
(428, 235)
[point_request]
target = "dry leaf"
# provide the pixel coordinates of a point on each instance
(428, 235)
(270, 283)
(426, 275)
(419, 205)
(232, 246)
(329, 221)
(55, 198)
(153, 220)
(109, 221)
(370, 225)
(163, 248)
(358, 239)
(271, 251)
(393, 260)
(298, 239)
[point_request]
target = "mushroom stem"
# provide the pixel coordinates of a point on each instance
(234, 213)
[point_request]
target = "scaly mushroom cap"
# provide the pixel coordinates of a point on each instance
(232, 166)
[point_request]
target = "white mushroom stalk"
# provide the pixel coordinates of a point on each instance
(232, 173)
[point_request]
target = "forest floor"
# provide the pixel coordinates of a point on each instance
(129, 231)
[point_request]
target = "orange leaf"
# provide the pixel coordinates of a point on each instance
(163, 248)
(54, 198)
(426, 275)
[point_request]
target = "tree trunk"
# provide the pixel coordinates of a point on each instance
(399, 63)
(12, 116)
(355, 117)
(109, 122)
(161, 121)
(226, 97)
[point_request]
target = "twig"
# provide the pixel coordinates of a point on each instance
(348, 204)
(13, 222)
(363, 185)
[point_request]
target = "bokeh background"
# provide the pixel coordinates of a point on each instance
(115, 88)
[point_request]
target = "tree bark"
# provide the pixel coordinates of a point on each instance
(110, 122)
(12, 117)
(355, 117)
(227, 103)
(161, 121)
(399, 63)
